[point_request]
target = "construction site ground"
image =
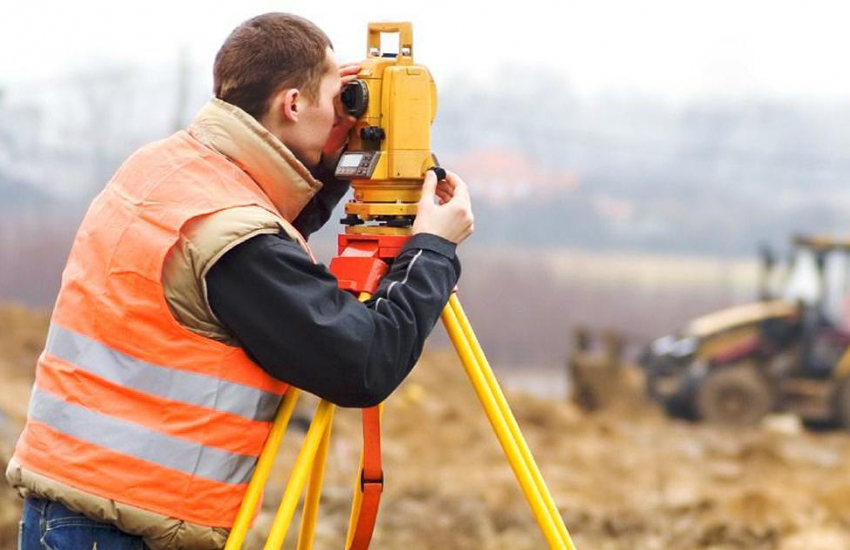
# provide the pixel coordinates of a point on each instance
(624, 478)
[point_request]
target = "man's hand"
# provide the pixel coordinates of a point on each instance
(445, 208)
(338, 137)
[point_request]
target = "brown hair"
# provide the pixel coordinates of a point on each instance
(266, 54)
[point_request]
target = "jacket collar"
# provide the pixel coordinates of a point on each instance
(229, 130)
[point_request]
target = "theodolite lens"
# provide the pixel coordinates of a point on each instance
(355, 98)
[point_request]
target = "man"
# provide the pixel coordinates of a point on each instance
(191, 300)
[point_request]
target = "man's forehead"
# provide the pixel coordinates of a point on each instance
(330, 60)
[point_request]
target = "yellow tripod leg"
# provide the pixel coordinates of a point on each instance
(298, 479)
(261, 472)
(356, 501)
(503, 432)
(314, 493)
(496, 390)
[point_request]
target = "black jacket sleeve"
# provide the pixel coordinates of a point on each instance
(292, 319)
(314, 215)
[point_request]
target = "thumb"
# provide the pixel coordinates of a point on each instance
(429, 186)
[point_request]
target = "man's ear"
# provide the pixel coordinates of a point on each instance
(289, 104)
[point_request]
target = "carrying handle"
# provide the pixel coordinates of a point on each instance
(404, 29)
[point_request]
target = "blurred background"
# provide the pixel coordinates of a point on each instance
(627, 160)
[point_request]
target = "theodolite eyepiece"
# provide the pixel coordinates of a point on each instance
(355, 98)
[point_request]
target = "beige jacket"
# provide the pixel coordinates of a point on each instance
(289, 185)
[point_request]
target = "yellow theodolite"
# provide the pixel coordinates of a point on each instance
(389, 151)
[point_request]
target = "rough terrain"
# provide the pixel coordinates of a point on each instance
(623, 478)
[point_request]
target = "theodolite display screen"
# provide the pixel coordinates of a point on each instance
(357, 165)
(350, 160)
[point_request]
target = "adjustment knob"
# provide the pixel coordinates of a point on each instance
(372, 133)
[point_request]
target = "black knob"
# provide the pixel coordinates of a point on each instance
(372, 133)
(439, 172)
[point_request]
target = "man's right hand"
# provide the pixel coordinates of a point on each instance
(445, 208)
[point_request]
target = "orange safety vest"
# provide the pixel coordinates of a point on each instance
(128, 404)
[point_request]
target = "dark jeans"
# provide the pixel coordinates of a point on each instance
(48, 525)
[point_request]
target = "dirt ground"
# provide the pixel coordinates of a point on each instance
(623, 479)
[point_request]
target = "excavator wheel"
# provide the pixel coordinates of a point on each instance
(735, 395)
(842, 403)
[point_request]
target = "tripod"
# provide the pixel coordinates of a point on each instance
(362, 261)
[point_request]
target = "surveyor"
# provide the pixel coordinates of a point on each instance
(191, 301)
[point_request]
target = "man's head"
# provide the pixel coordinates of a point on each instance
(280, 69)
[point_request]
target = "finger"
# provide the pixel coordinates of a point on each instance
(443, 191)
(429, 185)
(345, 79)
(444, 197)
(451, 179)
(445, 186)
(460, 189)
(349, 69)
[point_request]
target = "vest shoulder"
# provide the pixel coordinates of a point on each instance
(203, 241)
(167, 152)
(181, 170)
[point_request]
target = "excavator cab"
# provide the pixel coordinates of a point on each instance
(818, 279)
(786, 352)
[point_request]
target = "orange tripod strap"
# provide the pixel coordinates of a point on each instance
(371, 480)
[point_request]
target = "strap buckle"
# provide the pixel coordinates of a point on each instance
(376, 481)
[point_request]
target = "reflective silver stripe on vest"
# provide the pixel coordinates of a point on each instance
(197, 389)
(140, 442)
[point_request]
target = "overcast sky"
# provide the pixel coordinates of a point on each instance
(672, 48)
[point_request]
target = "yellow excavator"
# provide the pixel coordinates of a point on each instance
(788, 352)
